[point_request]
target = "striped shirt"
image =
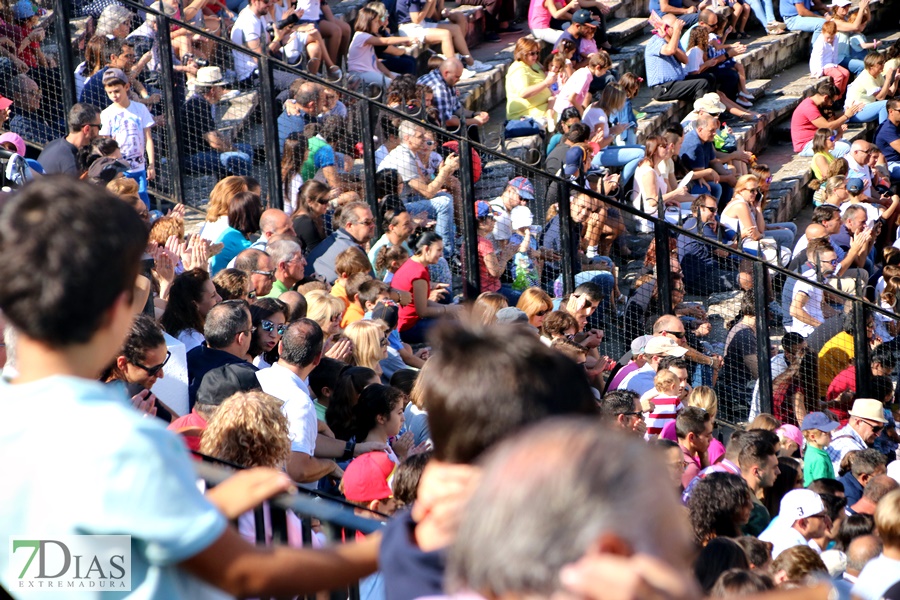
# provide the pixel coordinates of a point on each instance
(666, 408)
(843, 441)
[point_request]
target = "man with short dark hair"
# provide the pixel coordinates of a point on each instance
(228, 331)
(759, 468)
(694, 428)
(622, 409)
(887, 138)
(258, 265)
(864, 465)
(355, 228)
(807, 119)
(529, 382)
(59, 156)
(117, 54)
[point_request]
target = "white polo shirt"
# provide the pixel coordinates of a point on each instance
(783, 537)
(298, 405)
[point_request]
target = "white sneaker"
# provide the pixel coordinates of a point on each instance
(467, 74)
(477, 65)
(746, 95)
(743, 103)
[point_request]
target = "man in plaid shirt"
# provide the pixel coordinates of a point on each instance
(442, 82)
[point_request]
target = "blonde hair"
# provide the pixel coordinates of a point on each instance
(221, 195)
(250, 429)
(534, 300)
(484, 310)
(704, 397)
(366, 337)
(123, 186)
(379, 9)
(765, 421)
(666, 382)
(744, 182)
(322, 307)
(887, 519)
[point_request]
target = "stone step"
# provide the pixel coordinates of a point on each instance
(621, 31)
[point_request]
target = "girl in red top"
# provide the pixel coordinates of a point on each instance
(416, 317)
(492, 263)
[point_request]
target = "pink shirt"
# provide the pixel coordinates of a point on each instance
(538, 15)
(577, 84)
(802, 128)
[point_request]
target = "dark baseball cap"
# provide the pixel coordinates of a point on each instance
(107, 168)
(583, 16)
(222, 382)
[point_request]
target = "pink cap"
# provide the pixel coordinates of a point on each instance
(791, 432)
(16, 140)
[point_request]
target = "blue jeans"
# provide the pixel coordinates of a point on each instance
(854, 65)
(841, 148)
(763, 11)
(784, 237)
(872, 111)
(416, 334)
(439, 208)
(715, 189)
(810, 24)
(626, 157)
(210, 163)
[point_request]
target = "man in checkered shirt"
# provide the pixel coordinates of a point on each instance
(442, 82)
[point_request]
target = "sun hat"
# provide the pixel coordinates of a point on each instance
(868, 408)
(521, 217)
(209, 76)
(709, 103)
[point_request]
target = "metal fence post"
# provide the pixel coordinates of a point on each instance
(569, 261)
(270, 133)
(663, 272)
(761, 303)
(368, 141)
(175, 160)
(861, 350)
(472, 283)
(62, 13)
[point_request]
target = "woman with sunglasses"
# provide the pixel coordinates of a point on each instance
(313, 200)
(269, 317)
(822, 145)
(140, 364)
(528, 92)
(743, 215)
(537, 304)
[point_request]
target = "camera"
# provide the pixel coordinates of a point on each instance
(287, 21)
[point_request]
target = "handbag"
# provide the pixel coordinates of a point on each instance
(522, 128)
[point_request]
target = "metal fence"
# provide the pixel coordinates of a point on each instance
(644, 265)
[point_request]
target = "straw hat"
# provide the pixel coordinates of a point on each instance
(869, 409)
(209, 76)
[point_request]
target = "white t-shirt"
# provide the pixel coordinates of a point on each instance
(247, 28)
(813, 305)
(290, 203)
(361, 56)
(298, 405)
(876, 578)
(593, 116)
(127, 126)
(312, 9)
(696, 58)
(404, 162)
(783, 537)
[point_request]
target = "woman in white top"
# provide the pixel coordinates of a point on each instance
(361, 60)
(296, 148)
(744, 215)
(650, 183)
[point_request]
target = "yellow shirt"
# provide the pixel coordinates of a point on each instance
(835, 356)
(519, 77)
(859, 90)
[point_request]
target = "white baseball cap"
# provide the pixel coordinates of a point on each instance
(800, 504)
(663, 345)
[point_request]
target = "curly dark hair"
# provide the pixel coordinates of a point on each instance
(716, 504)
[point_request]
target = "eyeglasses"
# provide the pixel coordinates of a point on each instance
(875, 428)
(712, 209)
(542, 313)
(97, 125)
(753, 190)
(677, 334)
(270, 327)
(152, 371)
(249, 331)
(267, 274)
(532, 53)
(366, 222)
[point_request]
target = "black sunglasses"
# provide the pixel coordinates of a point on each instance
(152, 371)
(678, 334)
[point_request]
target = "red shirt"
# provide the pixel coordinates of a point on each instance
(802, 128)
(409, 272)
(842, 382)
(488, 282)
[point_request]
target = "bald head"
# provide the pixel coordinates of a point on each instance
(274, 221)
(667, 323)
(451, 70)
(860, 551)
(815, 230)
(860, 145)
(296, 304)
(878, 487)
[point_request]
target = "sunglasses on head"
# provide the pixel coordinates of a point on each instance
(270, 327)
(152, 371)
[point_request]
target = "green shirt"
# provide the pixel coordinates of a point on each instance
(278, 289)
(816, 465)
(759, 519)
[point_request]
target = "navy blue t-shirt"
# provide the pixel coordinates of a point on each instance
(696, 154)
(577, 57)
(404, 7)
(887, 133)
(409, 573)
(93, 91)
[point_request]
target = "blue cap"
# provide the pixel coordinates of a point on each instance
(483, 209)
(523, 186)
(855, 185)
(583, 16)
(23, 9)
(820, 421)
(574, 160)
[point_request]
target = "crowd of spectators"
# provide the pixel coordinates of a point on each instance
(483, 430)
